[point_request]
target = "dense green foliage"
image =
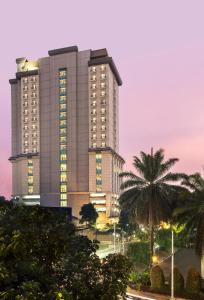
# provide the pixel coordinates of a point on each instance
(157, 278)
(88, 214)
(42, 258)
(193, 281)
(138, 252)
(139, 280)
(191, 210)
(148, 197)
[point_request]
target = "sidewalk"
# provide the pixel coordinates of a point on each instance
(151, 295)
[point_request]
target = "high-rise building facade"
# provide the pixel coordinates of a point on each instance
(65, 131)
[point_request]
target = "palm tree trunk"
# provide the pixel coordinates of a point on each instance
(151, 234)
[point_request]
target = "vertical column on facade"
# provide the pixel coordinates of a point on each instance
(98, 172)
(30, 177)
(63, 135)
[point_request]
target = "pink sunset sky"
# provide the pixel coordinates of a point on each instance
(158, 47)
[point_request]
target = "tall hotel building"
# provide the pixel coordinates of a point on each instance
(65, 131)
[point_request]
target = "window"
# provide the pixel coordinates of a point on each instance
(98, 170)
(103, 136)
(103, 110)
(62, 98)
(94, 145)
(25, 80)
(63, 188)
(34, 119)
(62, 73)
(63, 196)
(26, 150)
(26, 135)
(93, 112)
(93, 78)
(30, 179)
(93, 69)
(93, 120)
(103, 119)
(25, 120)
(63, 122)
(63, 167)
(62, 81)
(33, 95)
(94, 136)
(33, 87)
(63, 90)
(34, 134)
(103, 144)
(63, 107)
(63, 115)
(103, 67)
(98, 158)
(94, 128)
(25, 96)
(103, 101)
(103, 93)
(26, 127)
(103, 127)
(25, 143)
(63, 177)
(103, 75)
(30, 190)
(93, 86)
(34, 150)
(93, 103)
(63, 139)
(93, 95)
(63, 147)
(63, 131)
(33, 79)
(103, 85)
(33, 103)
(34, 110)
(63, 157)
(25, 88)
(34, 126)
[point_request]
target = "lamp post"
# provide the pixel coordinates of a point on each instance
(172, 265)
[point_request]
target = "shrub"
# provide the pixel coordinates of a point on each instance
(193, 281)
(178, 281)
(139, 279)
(157, 278)
(138, 252)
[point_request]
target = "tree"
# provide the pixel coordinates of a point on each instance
(41, 257)
(191, 210)
(148, 196)
(88, 214)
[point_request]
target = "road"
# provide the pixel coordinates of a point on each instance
(138, 297)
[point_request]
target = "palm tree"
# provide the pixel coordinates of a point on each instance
(191, 211)
(147, 197)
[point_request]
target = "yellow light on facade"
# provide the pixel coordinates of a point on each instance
(155, 259)
(165, 225)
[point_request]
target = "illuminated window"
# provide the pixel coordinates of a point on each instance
(62, 73)
(103, 119)
(33, 103)
(33, 79)
(94, 128)
(63, 107)
(103, 76)
(93, 103)
(103, 127)
(63, 196)
(63, 188)
(63, 177)
(25, 80)
(103, 93)
(30, 190)
(103, 85)
(93, 78)
(94, 136)
(33, 87)
(26, 120)
(103, 110)
(63, 131)
(93, 86)
(94, 145)
(25, 88)
(63, 115)
(26, 127)
(103, 136)
(93, 112)
(25, 143)
(98, 158)
(103, 144)
(93, 69)
(62, 81)
(103, 67)
(63, 122)
(63, 167)
(34, 126)
(34, 110)
(62, 98)
(34, 119)
(30, 179)
(98, 170)
(30, 170)
(63, 139)
(26, 135)
(63, 147)
(34, 150)
(63, 157)
(93, 95)
(34, 134)
(93, 120)
(33, 95)
(63, 203)
(25, 112)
